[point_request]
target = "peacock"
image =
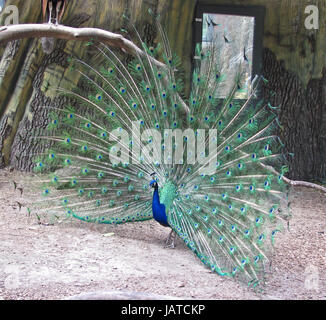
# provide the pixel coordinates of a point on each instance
(134, 146)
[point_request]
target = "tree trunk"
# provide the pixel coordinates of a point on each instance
(27, 74)
(302, 113)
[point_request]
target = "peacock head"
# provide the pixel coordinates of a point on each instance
(153, 184)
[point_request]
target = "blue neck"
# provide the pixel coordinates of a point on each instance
(159, 209)
(156, 197)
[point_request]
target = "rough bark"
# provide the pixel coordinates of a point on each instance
(302, 115)
(32, 117)
(24, 108)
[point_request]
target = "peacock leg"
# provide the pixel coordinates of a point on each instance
(57, 12)
(50, 12)
(169, 243)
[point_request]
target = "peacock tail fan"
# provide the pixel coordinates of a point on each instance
(217, 160)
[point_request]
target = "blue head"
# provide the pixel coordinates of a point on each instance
(153, 184)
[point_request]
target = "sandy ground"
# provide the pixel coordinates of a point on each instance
(57, 262)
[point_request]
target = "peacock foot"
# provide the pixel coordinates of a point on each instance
(169, 243)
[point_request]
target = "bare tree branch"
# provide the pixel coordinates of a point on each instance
(21, 31)
(296, 182)
(305, 184)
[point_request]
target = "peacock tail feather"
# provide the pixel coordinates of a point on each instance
(214, 158)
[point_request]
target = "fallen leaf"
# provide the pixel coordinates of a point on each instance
(110, 234)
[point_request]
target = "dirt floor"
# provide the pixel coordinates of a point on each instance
(60, 261)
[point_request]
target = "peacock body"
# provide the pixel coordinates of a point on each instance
(134, 149)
